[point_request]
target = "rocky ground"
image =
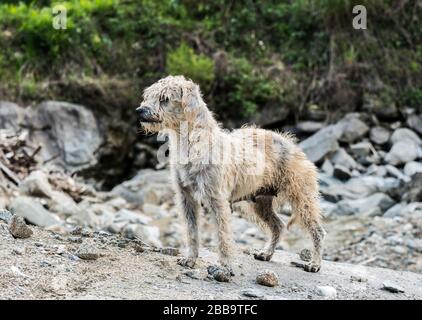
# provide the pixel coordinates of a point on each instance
(370, 180)
(86, 265)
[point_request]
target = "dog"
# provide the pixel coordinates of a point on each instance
(214, 168)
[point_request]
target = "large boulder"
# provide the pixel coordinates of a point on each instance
(352, 128)
(322, 142)
(358, 187)
(402, 134)
(11, 115)
(373, 205)
(68, 133)
(148, 186)
(403, 151)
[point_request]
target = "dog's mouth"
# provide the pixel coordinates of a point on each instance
(150, 120)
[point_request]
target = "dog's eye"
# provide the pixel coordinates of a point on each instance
(164, 100)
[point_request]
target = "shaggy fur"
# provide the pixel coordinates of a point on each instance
(213, 168)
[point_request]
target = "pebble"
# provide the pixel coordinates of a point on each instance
(170, 251)
(252, 293)
(75, 239)
(5, 215)
(267, 278)
(18, 228)
(87, 252)
(358, 279)
(305, 255)
(391, 287)
(327, 292)
(218, 273)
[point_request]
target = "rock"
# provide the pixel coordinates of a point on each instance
(11, 115)
(37, 185)
(358, 279)
(402, 134)
(33, 212)
(18, 228)
(412, 167)
(327, 292)
(359, 187)
(63, 204)
(87, 252)
(170, 251)
(412, 191)
(327, 167)
(379, 135)
(397, 173)
(361, 149)
(148, 186)
(394, 211)
(267, 278)
(322, 142)
(415, 122)
(379, 171)
(352, 128)
(341, 172)
(128, 216)
(373, 205)
(148, 234)
(402, 152)
(342, 158)
(5, 215)
(388, 286)
(218, 273)
(309, 126)
(305, 255)
(252, 293)
(68, 133)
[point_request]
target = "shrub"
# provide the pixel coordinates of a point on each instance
(184, 61)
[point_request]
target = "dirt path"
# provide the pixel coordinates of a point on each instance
(45, 267)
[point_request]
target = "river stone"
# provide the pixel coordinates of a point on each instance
(379, 135)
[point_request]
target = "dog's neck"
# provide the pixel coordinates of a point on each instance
(191, 136)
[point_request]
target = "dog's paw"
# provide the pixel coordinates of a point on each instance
(220, 273)
(263, 256)
(186, 262)
(312, 267)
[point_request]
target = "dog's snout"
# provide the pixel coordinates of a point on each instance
(143, 111)
(146, 114)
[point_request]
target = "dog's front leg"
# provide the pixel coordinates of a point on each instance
(189, 208)
(220, 209)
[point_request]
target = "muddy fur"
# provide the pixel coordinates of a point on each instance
(213, 168)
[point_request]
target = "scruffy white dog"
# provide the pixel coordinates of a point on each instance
(212, 168)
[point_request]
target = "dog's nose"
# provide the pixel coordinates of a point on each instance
(142, 111)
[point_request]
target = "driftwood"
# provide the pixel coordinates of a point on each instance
(17, 157)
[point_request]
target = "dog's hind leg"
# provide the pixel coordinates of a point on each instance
(265, 212)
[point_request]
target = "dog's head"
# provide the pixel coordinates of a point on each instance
(169, 102)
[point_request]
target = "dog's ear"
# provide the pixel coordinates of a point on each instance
(191, 100)
(190, 97)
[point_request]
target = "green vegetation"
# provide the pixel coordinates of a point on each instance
(246, 55)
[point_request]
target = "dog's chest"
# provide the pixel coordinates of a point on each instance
(197, 178)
